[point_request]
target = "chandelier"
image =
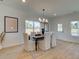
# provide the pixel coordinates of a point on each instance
(23, 1)
(43, 20)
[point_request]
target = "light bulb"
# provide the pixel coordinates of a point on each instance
(54, 14)
(43, 19)
(23, 1)
(40, 20)
(46, 20)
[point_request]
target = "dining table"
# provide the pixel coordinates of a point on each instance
(36, 39)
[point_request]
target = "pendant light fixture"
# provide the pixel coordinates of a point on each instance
(43, 20)
(23, 1)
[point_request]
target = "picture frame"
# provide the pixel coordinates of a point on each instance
(10, 24)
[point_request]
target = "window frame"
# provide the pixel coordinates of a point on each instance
(76, 34)
(58, 29)
(33, 25)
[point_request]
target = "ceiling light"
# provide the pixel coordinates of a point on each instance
(43, 20)
(54, 14)
(23, 1)
(46, 20)
(40, 20)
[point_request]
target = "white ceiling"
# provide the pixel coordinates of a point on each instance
(60, 7)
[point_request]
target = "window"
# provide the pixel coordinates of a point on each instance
(75, 28)
(32, 26)
(36, 26)
(60, 28)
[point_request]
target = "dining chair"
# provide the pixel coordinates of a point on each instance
(2, 35)
(45, 44)
(29, 44)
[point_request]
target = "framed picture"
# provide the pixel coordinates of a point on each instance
(10, 24)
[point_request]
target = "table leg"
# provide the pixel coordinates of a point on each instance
(36, 45)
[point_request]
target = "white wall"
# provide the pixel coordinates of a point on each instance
(12, 38)
(50, 22)
(65, 20)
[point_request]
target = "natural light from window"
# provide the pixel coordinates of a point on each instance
(75, 28)
(59, 28)
(32, 26)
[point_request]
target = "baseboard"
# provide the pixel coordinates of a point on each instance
(12, 45)
(69, 41)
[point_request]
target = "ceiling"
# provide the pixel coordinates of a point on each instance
(58, 7)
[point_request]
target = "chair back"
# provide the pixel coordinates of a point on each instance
(2, 37)
(25, 36)
(32, 35)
